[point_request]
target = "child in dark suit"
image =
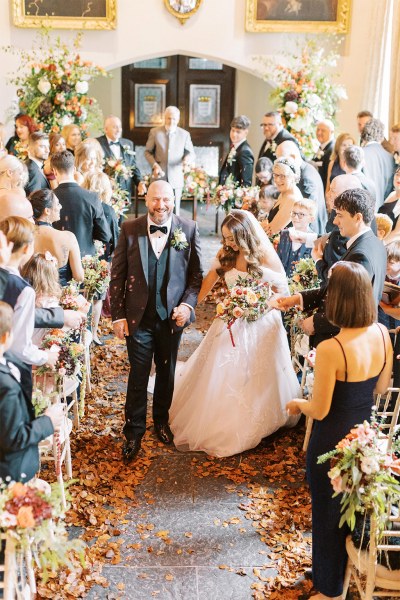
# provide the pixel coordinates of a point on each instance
(297, 241)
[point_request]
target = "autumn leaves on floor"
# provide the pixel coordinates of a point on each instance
(181, 526)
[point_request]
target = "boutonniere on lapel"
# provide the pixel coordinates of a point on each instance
(179, 240)
(320, 154)
(129, 151)
(231, 156)
(272, 145)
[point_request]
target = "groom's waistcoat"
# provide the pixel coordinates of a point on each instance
(157, 285)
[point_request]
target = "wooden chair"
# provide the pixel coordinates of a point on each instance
(372, 579)
(388, 410)
(19, 578)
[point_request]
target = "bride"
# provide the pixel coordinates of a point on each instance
(227, 398)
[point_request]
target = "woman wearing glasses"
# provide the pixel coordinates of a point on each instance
(285, 176)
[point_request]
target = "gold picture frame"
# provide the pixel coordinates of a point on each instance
(312, 16)
(61, 14)
(182, 9)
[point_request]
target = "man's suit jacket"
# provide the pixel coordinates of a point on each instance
(129, 273)
(37, 179)
(169, 150)
(82, 213)
(322, 162)
(282, 136)
(366, 250)
(127, 157)
(240, 169)
(310, 185)
(20, 431)
(366, 183)
(379, 166)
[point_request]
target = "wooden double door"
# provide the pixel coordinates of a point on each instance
(202, 90)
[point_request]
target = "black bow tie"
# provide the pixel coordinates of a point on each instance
(114, 143)
(154, 228)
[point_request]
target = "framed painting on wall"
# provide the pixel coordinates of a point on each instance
(204, 102)
(149, 104)
(317, 16)
(65, 14)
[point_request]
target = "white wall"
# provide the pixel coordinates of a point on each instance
(145, 29)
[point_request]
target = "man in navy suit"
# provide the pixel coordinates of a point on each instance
(38, 152)
(354, 213)
(325, 135)
(238, 164)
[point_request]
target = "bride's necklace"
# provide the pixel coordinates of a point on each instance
(45, 223)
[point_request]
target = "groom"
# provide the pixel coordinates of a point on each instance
(156, 276)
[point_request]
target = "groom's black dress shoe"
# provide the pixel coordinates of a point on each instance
(130, 450)
(163, 433)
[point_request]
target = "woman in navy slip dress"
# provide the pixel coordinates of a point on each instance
(348, 369)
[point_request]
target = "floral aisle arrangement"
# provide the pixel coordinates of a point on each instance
(71, 353)
(198, 183)
(247, 300)
(229, 196)
(304, 92)
(53, 83)
(363, 472)
(32, 515)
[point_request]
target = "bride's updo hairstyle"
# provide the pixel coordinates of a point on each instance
(350, 301)
(239, 223)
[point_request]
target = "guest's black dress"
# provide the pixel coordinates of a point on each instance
(351, 405)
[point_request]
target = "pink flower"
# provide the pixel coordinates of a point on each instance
(237, 312)
(337, 484)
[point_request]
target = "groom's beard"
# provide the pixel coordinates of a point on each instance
(160, 217)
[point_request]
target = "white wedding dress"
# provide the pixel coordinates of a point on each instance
(228, 398)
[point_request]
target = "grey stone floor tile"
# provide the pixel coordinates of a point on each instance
(177, 583)
(217, 584)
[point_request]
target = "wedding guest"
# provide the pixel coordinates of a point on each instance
(354, 213)
(98, 182)
(324, 133)
(388, 314)
(21, 432)
(296, 242)
(238, 164)
(72, 136)
(38, 152)
(81, 210)
(274, 134)
(384, 225)
(61, 244)
(348, 370)
(391, 206)
(362, 119)
(309, 184)
(13, 174)
(169, 149)
(15, 204)
(89, 157)
(379, 163)
(266, 200)
(394, 139)
(336, 163)
(21, 296)
(56, 144)
(18, 143)
(285, 175)
(117, 147)
(150, 312)
(353, 162)
(264, 178)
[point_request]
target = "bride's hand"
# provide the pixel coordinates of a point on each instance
(292, 408)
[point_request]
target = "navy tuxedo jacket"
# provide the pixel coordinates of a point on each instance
(127, 157)
(241, 168)
(37, 179)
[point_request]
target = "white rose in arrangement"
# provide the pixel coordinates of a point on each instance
(314, 100)
(291, 108)
(82, 87)
(42, 486)
(180, 237)
(66, 120)
(237, 312)
(7, 520)
(369, 465)
(251, 297)
(44, 86)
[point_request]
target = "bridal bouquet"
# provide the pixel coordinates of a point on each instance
(363, 472)
(32, 516)
(247, 300)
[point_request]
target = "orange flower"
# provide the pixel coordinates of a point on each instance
(25, 517)
(18, 490)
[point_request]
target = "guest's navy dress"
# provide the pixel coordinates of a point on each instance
(351, 404)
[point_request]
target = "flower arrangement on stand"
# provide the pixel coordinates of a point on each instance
(53, 83)
(32, 516)
(304, 92)
(71, 353)
(247, 300)
(364, 473)
(198, 183)
(230, 196)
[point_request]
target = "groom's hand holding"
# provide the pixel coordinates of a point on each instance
(121, 328)
(181, 314)
(285, 302)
